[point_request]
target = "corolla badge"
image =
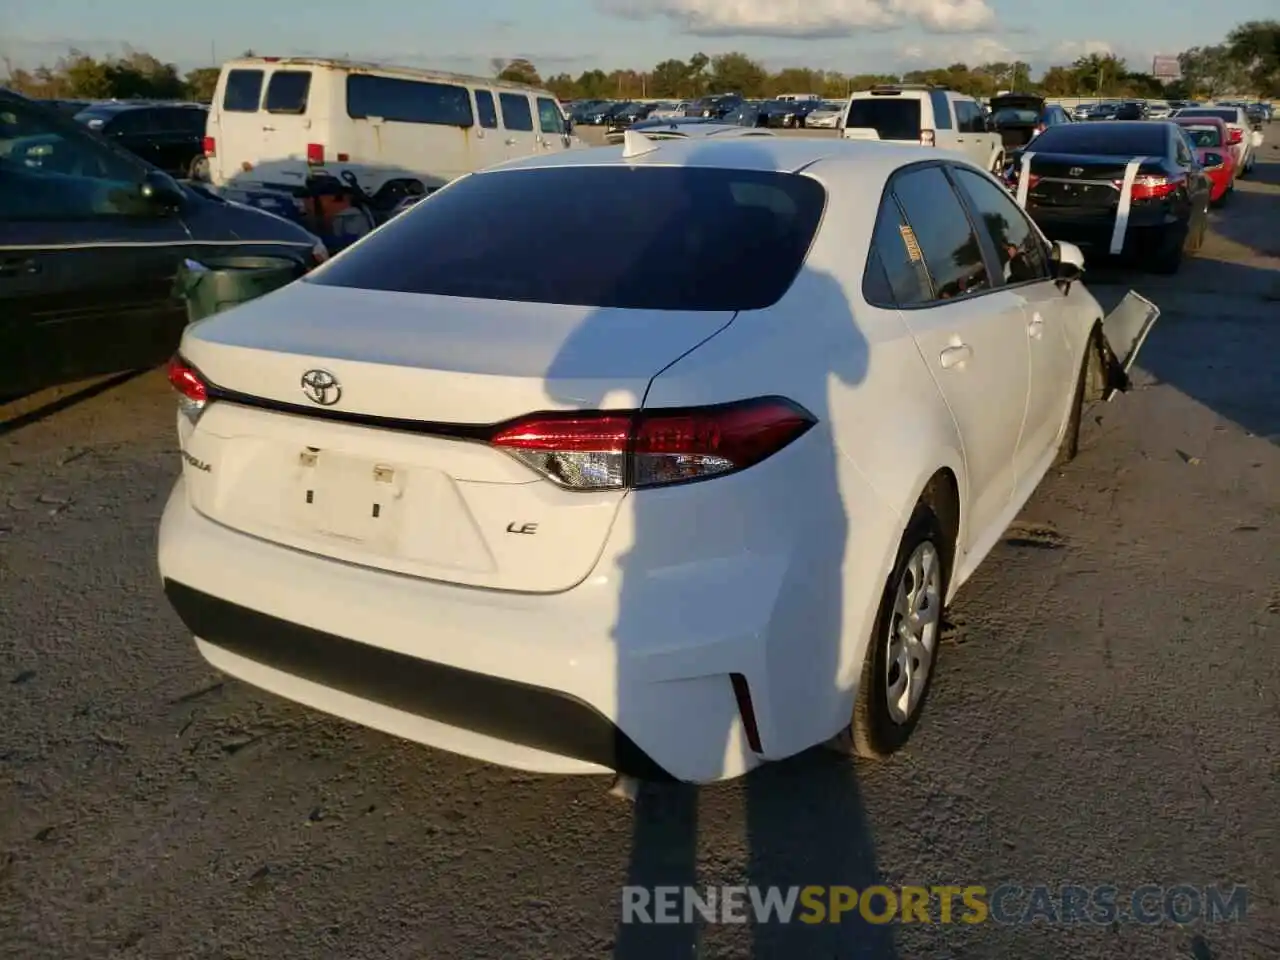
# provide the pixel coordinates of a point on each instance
(321, 387)
(1076, 171)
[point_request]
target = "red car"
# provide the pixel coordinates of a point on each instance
(1209, 134)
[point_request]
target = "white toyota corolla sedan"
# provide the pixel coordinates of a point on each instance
(661, 459)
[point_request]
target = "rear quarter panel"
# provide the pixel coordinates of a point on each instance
(837, 519)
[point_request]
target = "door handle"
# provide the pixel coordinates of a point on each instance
(268, 129)
(15, 267)
(1036, 326)
(955, 356)
(510, 141)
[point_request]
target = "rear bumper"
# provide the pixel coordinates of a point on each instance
(557, 683)
(1092, 230)
(538, 719)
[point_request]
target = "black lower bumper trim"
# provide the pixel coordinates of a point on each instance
(515, 712)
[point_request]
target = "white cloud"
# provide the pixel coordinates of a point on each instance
(970, 50)
(806, 18)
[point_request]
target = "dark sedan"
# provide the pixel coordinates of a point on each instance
(786, 113)
(1077, 179)
(91, 240)
(715, 107)
(166, 135)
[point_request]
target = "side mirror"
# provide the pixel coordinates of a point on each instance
(162, 191)
(1068, 263)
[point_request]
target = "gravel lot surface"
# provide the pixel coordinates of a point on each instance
(1106, 713)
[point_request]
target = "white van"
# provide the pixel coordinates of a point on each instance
(929, 116)
(276, 120)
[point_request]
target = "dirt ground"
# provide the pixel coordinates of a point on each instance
(1106, 713)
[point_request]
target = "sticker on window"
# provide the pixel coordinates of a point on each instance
(912, 245)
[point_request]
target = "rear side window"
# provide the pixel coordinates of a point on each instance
(895, 271)
(243, 92)
(287, 91)
(132, 123)
(942, 230)
(1229, 116)
(1105, 139)
(893, 118)
(677, 238)
(516, 114)
(941, 109)
(408, 101)
(550, 120)
(485, 110)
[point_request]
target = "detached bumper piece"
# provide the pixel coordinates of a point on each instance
(515, 712)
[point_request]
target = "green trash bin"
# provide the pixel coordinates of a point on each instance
(215, 284)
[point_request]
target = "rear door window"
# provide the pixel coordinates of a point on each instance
(485, 110)
(550, 120)
(941, 228)
(678, 238)
(243, 91)
(1019, 249)
(408, 101)
(516, 114)
(892, 118)
(133, 123)
(287, 91)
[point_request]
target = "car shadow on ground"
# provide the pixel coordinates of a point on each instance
(23, 411)
(1217, 331)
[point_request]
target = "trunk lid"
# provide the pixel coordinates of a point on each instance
(387, 474)
(1080, 181)
(1017, 101)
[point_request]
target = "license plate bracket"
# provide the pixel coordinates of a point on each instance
(349, 498)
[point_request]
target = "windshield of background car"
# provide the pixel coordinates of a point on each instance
(674, 238)
(892, 118)
(1229, 116)
(1108, 140)
(1204, 136)
(1011, 115)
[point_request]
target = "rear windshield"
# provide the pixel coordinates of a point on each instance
(1010, 115)
(1107, 140)
(659, 238)
(893, 118)
(287, 91)
(1204, 136)
(243, 92)
(1230, 116)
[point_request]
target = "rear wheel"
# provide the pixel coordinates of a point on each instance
(1168, 256)
(903, 653)
(1089, 385)
(997, 167)
(199, 169)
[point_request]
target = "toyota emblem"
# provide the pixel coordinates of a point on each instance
(1076, 171)
(321, 387)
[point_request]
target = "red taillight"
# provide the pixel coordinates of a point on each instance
(192, 389)
(1148, 187)
(926, 138)
(651, 448)
(315, 153)
(1235, 136)
(1039, 128)
(210, 147)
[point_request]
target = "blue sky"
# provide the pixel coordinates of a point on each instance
(572, 35)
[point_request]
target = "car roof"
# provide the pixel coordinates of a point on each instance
(773, 154)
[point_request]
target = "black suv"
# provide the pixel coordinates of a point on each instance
(91, 239)
(167, 135)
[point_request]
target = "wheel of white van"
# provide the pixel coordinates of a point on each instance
(902, 655)
(199, 169)
(998, 167)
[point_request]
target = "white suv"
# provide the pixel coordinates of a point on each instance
(930, 116)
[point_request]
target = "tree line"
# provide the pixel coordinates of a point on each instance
(1247, 62)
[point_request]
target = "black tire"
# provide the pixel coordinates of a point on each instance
(198, 170)
(873, 732)
(1168, 258)
(1091, 376)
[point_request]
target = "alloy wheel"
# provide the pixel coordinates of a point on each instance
(913, 632)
